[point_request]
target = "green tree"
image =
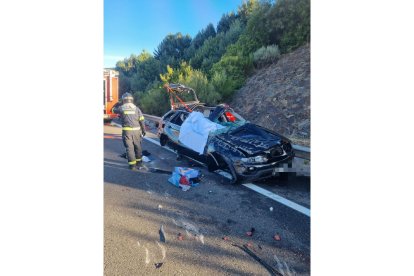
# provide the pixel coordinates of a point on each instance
(177, 75)
(147, 71)
(171, 49)
(246, 8)
(288, 24)
(214, 47)
(225, 22)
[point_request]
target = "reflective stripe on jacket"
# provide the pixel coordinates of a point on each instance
(130, 116)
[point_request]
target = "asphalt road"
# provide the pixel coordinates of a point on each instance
(202, 227)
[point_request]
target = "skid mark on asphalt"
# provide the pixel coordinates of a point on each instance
(163, 250)
(147, 258)
(148, 254)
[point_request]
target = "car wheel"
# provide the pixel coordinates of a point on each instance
(230, 169)
(163, 139)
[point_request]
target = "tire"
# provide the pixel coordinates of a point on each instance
(230, 169)
(163, 139)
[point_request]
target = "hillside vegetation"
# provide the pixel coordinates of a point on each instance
(218, 60)
(278, 96)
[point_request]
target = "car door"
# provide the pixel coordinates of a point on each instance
(172, 128)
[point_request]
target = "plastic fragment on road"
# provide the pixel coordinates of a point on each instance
(162, 234)
(277, 237)
(249, 244)
(158, 265)
(146, 159)
(185, 178)
(250, 233)
(271, 209)
(159, 207)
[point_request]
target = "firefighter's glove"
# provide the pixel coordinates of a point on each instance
(143, 133)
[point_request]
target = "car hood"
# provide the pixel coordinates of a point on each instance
(251, 139)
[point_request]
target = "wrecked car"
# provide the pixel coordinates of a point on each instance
(223, 140)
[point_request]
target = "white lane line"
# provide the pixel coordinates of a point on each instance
(114, 163)
(279, 199)
(116, 167)
(158, 144)
(258, 189)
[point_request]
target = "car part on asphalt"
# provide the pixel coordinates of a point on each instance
(269, 268)
(162, 234)
(250, 233)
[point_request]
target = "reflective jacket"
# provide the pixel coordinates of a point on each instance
(131, 116)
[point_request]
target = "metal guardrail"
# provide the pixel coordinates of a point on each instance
(300, 151)
(152, 118)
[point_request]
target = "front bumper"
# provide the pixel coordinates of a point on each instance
(110, 116)
(256, 172)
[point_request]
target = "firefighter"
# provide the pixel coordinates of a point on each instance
(132, 129)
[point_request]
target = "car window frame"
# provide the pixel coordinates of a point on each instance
(178, 113)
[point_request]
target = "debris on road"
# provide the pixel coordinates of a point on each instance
(249, 244)
(157, 170)
(180, 237)
(250, 233)
(277, 237)
(162, 234)
(158, 265)
(192, 230)
(146, 159)
(185, 178)
(159, 206)
(271, 209)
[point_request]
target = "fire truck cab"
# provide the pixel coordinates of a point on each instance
(110, 93)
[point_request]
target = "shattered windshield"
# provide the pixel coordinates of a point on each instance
(230, 120)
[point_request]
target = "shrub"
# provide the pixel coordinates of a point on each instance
(154, 102)
(266, 55)
(204, 89)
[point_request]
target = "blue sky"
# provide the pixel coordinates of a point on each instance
(131, 26)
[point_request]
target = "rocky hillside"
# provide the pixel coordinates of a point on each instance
(278, 96)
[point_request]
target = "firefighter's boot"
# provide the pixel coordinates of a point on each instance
(133, 167)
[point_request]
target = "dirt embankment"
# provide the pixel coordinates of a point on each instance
(278, 96)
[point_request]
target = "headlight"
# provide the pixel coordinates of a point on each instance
(255, 159)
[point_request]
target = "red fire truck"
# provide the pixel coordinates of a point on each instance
(110, 93)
